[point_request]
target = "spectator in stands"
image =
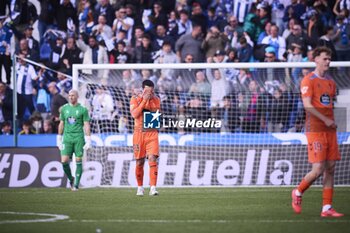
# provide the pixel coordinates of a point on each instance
(57, 101)
(133, 11)
(159, 17)
(71, 55)
(298, 126)
(198, 17)
(42, 96)
(190, 44)
(342, 39)
(228, 114)
(185, 77)
(295, 56)
(278, 118)
(277, 12)
(298, 37)
(27, 128)
(93, 54)
(103, 7)
(102, 29)
(123, 125)
(37, 121)
(241, 83)
(342, 8)
(66, 16)
(48, 127)
(265, 33)
(220, 57)
(172, 27)
(6, 104)
(46, 17)
(27, 34)
(271, 74)
(233, 27)
(166, 55)
(201, 86)
(6, 128)
(220, 87)
(245, 51)
(24, 49)
(57, 48)
(148, 74)
(214, 41)
(252, 118)
(184, 24)
(143, 53)
(196, 107)
(85, 17)
(123, 22)
(23, 13)
(252, 26)
(26, 75)
(136, 40)
(216, 18)
(119, 55)
(276, 41)
(294, 10)
(160, 38)
(315, 28)
(5, 43)
(328, 40)
(129, 77)
(102, 107)
(287, 31)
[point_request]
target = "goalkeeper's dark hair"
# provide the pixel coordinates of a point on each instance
(147, 83)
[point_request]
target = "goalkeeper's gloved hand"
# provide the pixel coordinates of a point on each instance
(59, 142)
(87, 143)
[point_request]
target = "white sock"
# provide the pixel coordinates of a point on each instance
(326, 207)
(298, 193)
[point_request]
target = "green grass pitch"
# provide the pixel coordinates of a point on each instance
(175, 210)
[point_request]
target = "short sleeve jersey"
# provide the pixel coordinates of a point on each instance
(322, 92)
(74, 118)
(154, 105)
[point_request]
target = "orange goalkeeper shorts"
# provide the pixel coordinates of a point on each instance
(322, 146)
(145, 143)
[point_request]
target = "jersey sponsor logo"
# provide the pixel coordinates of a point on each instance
(304, 90)
(325, 99)
(71, 120)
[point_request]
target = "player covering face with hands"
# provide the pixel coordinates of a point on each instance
(74, 125)
(145, 141)
(318, 91)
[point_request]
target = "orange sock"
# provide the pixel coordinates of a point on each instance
(327, 196)
(139, 174)
(153, 172)
(303, 186)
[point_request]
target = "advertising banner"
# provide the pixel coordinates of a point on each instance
(179, 166)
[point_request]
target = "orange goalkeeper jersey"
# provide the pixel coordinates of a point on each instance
(322, 92)
(138, 105)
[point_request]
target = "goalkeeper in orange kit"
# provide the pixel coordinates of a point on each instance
(145, 141)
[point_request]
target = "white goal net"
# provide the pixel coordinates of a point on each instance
(227, 124)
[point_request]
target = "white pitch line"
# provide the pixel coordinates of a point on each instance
(168, 221)
(54, 217)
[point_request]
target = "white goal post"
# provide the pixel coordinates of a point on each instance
(270, 150)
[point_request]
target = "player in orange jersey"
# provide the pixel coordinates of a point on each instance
(318, 91)
(145, 141)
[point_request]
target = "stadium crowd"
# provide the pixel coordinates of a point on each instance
(172, 31)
